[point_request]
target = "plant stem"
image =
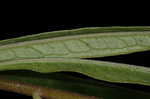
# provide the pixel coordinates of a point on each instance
(38, 92)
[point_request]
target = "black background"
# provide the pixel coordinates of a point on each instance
(20, 29)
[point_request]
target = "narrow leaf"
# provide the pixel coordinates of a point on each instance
(107, 71)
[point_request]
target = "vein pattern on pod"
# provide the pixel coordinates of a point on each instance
(78, 46)
(107, 71)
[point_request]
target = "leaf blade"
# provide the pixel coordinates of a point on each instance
(107, 71)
